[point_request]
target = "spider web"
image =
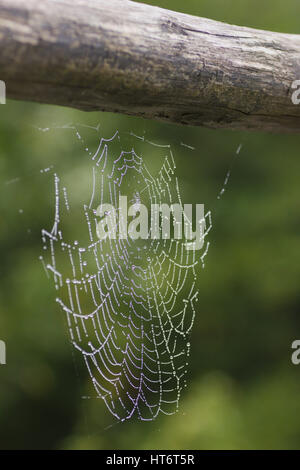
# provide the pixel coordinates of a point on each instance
(129, 304)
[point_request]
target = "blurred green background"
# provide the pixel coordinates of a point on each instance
(243, 390)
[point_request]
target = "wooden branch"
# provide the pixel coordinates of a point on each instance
(126, 57)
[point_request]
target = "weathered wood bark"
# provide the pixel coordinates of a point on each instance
(132, 58)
